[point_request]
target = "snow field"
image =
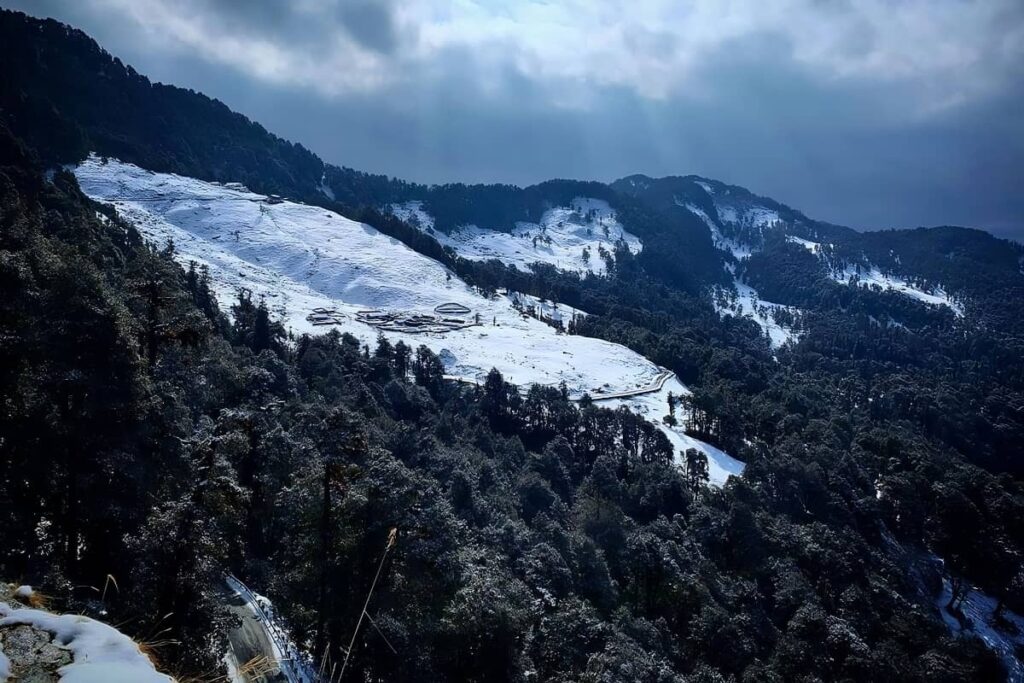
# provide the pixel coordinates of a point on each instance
(301, 257)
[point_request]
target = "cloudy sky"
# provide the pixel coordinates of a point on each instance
(868, 113)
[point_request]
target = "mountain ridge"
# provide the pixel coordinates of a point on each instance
(161, 427)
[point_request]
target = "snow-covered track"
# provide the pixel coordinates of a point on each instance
(652, 388)
(290, 664)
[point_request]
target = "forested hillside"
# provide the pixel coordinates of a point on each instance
(148, 436)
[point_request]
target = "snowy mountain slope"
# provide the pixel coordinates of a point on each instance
(654, 406)
(743, 300)
(745, 221)
(740, 230)
(871, 276)
(570, 238)
(302, 258)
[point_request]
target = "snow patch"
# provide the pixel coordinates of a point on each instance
(570, 238)
(760, 217)
(745, 303)
(100, 653)
(979, 609)
(813, 247)
(325, 189)
(873, 277)
(654, 407)
(738, 250)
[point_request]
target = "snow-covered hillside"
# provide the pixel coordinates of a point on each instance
(318, 270)
(739, 229)
(572, 238)
(873, 277)
(36, 643)
(743, 300)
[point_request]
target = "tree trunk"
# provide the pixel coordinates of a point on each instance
(325, 537)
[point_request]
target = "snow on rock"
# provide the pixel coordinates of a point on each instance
(560, 239)
(301, 258)
(98, 653)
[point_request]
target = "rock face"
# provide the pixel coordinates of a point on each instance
(39, 646)
(32, 655)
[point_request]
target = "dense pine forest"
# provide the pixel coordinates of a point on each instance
(149, 438)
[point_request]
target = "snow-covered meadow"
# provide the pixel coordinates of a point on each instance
(301, 257)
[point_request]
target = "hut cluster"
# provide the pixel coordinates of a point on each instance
(445, 318)
(326, 316)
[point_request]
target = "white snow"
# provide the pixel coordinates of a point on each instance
(291, 662)
(706, 187)
(545, 308)
(813, 247)
(760, 217)
(765, 218)
(654, 406)
(872, 276)
(100, 653)
(303, 257)
(727, 214)
(559, 239)
(413, 213)
(737, 249)
(747, 304)
(324, 188)
(979, 609)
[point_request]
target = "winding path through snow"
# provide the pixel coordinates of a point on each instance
(653, 387)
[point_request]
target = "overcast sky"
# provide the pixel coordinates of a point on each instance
(872, 113)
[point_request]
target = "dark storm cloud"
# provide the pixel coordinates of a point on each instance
(871, 114)
(371, 23)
